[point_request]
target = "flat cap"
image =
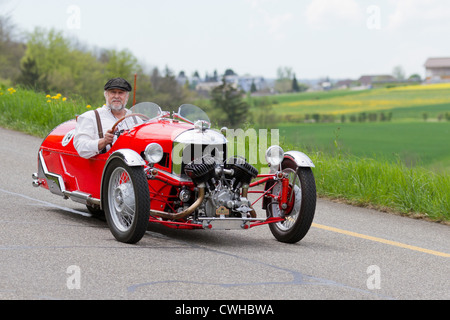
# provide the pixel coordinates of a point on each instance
(118, 83)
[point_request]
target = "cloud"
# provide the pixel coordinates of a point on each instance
(325, 14)
(431, 13)
(275, 24)
(272, 22)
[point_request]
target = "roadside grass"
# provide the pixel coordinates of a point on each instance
(380, 183)
(36, 113)
(384, 185)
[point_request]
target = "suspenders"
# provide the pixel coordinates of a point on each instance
(100, 129)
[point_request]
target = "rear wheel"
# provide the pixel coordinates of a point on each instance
(126, 201)
(96, 212)
(301, 206)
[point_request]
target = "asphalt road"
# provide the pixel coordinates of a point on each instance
(51, 248)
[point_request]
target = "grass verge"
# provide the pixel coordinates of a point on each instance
(385, 185)
(36, 113)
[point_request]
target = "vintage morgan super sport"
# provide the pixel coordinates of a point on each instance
(174, 170)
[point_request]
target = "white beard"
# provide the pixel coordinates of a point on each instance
(117, 107)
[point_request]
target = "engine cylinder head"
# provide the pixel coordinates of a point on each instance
(201, 170)
(244, 171)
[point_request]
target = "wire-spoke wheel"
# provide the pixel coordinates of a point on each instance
(301, 205)
(126, 201)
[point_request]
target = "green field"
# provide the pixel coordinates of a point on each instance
(415, 143)
(406, 136)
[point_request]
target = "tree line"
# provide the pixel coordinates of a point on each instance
(47, 61)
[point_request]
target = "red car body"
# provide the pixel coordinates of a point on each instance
(175, 199)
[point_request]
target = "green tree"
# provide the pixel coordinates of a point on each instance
(253, 88)
(52, 57)
(167, 92)
(230, 72)
(29, 73)
(228, 99)
(120, 64)
(415, 77)
(283, 83)
(11, 50)
(399, 73)
(295, 86)
(62, 66)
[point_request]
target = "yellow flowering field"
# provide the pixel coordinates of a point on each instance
(377, 100)
(435, 86)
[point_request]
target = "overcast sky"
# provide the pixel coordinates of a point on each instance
(317, 38)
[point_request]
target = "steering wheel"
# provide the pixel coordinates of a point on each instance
(143, 116)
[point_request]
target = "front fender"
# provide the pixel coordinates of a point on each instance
(301, 159)
(131, 159)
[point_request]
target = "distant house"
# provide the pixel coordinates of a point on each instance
(245, 82)
(437, 70)
(369, 80)
(207, 86)
(344, 84)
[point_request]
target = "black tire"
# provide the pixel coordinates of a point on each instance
(299, 219)
(96, 212)
(126, 201)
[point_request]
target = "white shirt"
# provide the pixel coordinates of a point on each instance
(86, 132)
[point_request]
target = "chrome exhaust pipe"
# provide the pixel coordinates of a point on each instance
(185, 213)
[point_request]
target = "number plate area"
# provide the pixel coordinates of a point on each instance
(228, 223)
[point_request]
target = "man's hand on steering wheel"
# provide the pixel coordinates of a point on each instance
(108, 139)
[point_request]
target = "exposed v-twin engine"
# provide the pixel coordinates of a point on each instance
(223, 183)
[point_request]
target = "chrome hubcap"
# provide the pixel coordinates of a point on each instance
(121, 199)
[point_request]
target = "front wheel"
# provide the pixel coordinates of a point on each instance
(301, 207)
(126, 201)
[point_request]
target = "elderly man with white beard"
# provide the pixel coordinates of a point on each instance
(93, 134)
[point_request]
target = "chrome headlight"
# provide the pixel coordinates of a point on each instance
(274, 155)
(154, 153)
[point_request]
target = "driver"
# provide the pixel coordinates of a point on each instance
(93, 134)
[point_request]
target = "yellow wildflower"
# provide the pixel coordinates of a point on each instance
(88, 106)
(49, 101)
(64, 99)
(48, 96)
